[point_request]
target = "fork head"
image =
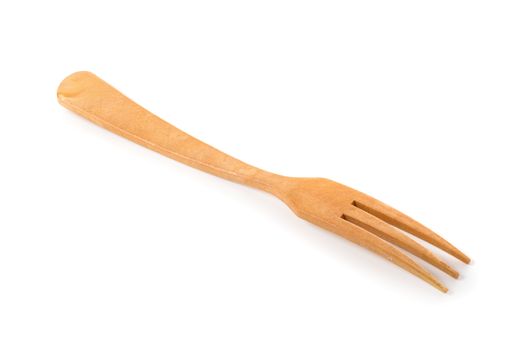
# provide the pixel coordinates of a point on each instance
(369, 223)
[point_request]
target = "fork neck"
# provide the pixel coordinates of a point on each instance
(227, 167)
(263, 180)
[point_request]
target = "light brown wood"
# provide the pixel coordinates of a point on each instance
(330, 205)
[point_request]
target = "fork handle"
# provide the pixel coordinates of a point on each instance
(91, 97)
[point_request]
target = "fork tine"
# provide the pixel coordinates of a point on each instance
(372, 242)
(402, 221)
(387, 232)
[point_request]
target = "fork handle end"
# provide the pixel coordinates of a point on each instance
(89, 96)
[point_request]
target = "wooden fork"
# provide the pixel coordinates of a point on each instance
(328, 204)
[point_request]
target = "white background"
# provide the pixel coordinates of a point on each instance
(107, 245)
